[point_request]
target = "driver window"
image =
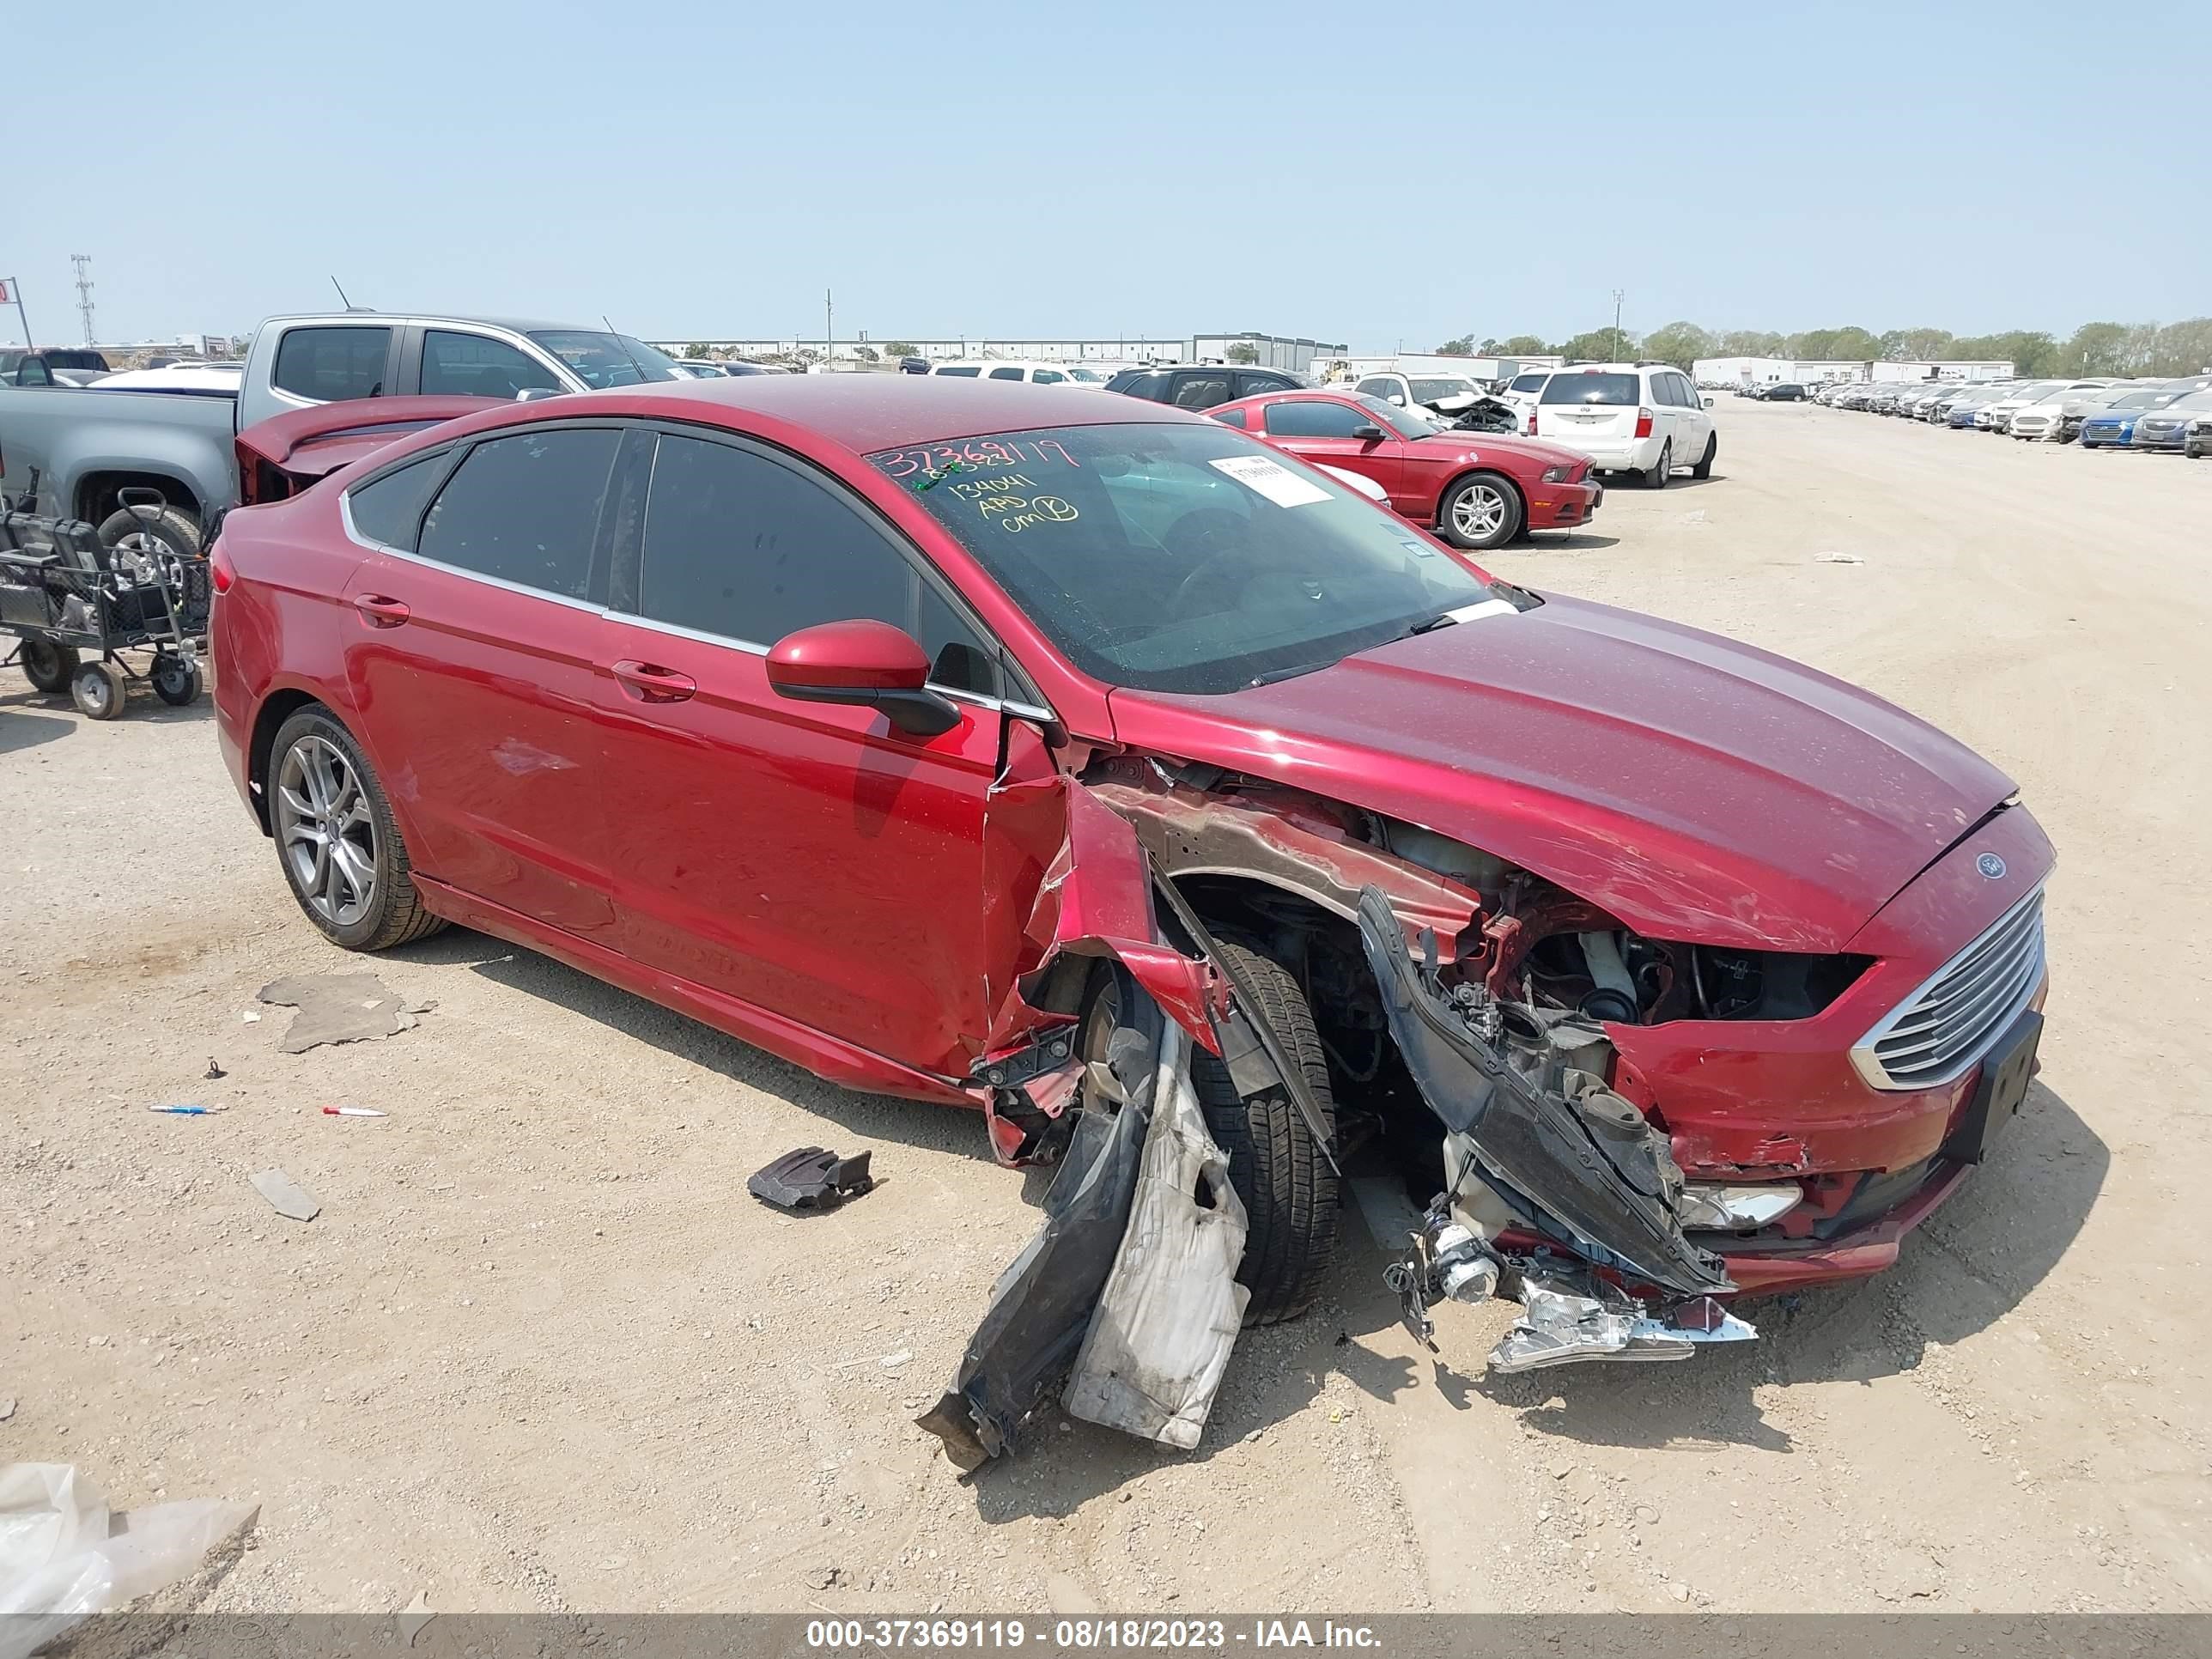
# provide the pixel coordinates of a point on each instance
(1201, 391)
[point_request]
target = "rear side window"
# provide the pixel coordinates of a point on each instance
(1229, 416)
(1314, 418)
(331, 365)
(471, 366)
(1253, 383)
(389, 509)
(1046, 376)
(967, 372)
(1591, 389)
(744, 547)
(525, 510)
(1201, 390)
(1528, 382)
(1007, 374)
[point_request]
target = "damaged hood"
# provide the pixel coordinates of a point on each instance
(1698, 788)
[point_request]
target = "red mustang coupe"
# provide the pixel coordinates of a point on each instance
(927, 731)
(1475, 489)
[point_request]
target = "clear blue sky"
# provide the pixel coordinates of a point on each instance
(1364, 173)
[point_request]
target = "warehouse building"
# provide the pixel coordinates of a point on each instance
(1732, 371)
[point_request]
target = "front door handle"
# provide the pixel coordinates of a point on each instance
(650, 683)
(379, 611)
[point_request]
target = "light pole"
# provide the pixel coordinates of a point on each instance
(1620, 351)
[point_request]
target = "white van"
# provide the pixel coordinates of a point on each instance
(1017, 368)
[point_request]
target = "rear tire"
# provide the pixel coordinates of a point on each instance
(99, 690)
(1703, 469)
(1657, 477)
(318, 776)
(1288, 1189)
(49, 667)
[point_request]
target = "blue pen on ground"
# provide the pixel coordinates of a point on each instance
(186, 1111)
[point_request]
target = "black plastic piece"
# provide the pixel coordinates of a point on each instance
(812, 1179)
(1577, 1162)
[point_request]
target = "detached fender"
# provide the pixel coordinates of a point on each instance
(1576, 1162)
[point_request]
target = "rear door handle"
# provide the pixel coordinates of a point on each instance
(379, 612)
(650, 683)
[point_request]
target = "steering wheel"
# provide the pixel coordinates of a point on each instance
(1213, 536)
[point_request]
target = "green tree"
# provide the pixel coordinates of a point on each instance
(1679, 344)
(2183, 348)
(900, 349)
(1460, 347)
(1914, 345)
(1849, 345)
(1243, 352)
(697, 349)
(1521, 345)
(1748, 342)
(2099, 349)
(1604, 345)
(866, 354)
(2033, 354)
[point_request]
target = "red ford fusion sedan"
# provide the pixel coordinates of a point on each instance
(915, 729)
(1476, 490)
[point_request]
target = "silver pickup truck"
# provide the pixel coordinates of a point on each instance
(67, 452)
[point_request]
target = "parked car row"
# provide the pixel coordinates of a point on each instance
(2098, 412)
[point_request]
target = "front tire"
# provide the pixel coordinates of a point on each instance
(1657, 477)
(48, 666)
(340, 849)
(1483, 510)
(1703, 469)
(1284, 1180)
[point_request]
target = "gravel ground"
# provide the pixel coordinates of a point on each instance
(539, 1352)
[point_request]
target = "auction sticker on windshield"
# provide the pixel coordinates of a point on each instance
(1277, 483)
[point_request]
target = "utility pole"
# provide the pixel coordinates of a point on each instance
(1619, 351)
(828, 331)
(82, 261)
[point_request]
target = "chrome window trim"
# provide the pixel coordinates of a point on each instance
(1868, 1065)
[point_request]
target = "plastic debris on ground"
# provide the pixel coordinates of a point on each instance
(287, 1195)
(1171, 1308)
(64, 1555)
(811, 1179)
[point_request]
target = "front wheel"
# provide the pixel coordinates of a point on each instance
(340, 850)
(1279, 1175)
(1703, 469)
(1483, 510)
(49, 667)
(1658, 475)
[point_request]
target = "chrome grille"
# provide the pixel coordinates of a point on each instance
(1942, 1031)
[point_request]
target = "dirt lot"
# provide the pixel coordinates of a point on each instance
(540, 1350)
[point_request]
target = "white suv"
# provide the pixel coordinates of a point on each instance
(1629, 417)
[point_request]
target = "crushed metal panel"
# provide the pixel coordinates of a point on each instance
(1171, 1308)
(1576, 1161)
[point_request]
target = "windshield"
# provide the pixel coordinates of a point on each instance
(1430, 391)
(603, 359)
(1088, 376)
(2194, 404)
(1576, 388)
(1406, 422)
(1182, 557)
(2147, 398)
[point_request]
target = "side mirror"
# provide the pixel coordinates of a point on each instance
(1708, 401)
(867, 663)
(1368, 434)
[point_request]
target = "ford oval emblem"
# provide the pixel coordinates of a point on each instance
(1990, 866)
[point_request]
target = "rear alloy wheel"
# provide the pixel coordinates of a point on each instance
(49, 667)
(1482, 510)
(98, 690)
(342, 852)
(1703, 469)
(1658, 475)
